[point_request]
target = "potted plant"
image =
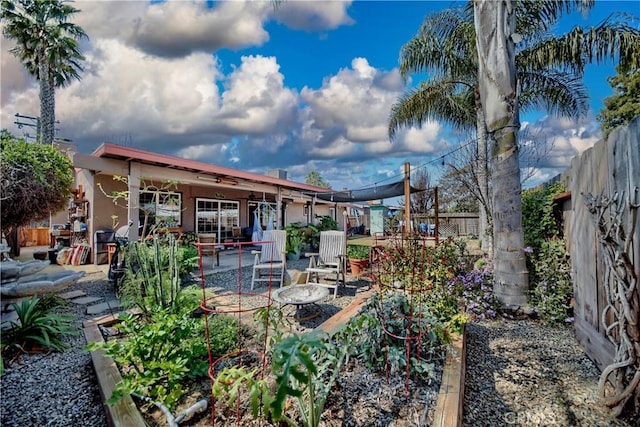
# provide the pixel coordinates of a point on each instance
(295, 240)
(358, 256)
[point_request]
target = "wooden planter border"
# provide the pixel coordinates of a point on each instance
(448, 412)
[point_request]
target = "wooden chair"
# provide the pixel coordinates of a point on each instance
(270, 262)
(209, 245)
(329, 261)
(236, 234)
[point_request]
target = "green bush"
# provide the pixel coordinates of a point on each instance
(358, 251)
(223, 334)
(36, 180)
(552, 285)
(37, 326)
(538, 220)
(155, 276)
(157, 356)
(392, 315)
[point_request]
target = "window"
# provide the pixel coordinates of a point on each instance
(217, 216)
(161, 207)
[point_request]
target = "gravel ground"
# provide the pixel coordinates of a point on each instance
(518, 372)
(524, 373)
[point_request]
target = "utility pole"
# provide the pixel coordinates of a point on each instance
(407, 198)
(31, 122)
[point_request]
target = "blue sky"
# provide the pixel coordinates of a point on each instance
(305, 87)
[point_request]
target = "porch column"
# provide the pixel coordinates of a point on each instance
(279, 209)
(134, 200)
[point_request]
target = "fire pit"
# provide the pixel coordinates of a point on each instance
(301, 295)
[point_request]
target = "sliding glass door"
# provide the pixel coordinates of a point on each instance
(217, 216)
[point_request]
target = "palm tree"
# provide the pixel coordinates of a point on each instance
(446, 45)
(47, 45)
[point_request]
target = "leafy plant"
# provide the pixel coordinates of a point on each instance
(154, 277)
(295, 238)
(157, 355)
(538, 220)
(189, 238)
(386, 322)
(37, 326)
(36, 180)
(552, 285)
(358, 251)
(224, 333)
(475, 291)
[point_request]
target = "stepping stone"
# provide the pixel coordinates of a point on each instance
(72, 294)
(99, 308)
(86, 300)
(8, 317)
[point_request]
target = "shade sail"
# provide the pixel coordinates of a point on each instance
(366, 194)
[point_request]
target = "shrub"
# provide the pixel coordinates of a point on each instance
(538, 220)
(156, 356)
(552, 285)
(37, 326)
(475, 291)
(358, 251)
(155, 276)
(387, 318)
(224, 332)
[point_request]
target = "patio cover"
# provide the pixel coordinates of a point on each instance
(366, 194)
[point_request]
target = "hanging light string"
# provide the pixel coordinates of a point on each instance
(439, 159)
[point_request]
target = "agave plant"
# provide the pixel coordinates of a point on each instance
(37, 326)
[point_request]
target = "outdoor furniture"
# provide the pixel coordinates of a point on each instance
(301, 295)
(208, 245)
(330, 260)
(270, 262)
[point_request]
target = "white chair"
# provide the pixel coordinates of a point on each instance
(330, 260)
(270, 262)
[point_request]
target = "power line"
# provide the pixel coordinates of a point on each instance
(434, 160)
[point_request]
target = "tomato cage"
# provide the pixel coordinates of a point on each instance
(399, 272)
(239, 301)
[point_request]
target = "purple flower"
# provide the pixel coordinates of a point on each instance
(528, 249)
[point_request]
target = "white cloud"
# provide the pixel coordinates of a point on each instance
(313, 15)
(255, 100)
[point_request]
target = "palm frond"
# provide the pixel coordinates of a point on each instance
(439, 100)
(556, 92)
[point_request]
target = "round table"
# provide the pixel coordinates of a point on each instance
(300, 295)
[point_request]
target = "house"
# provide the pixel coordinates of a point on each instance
(201, 197)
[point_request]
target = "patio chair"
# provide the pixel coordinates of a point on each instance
(209, 247)
(329, 261)
(270, 262)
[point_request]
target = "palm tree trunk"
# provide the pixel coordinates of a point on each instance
(494, 24)
(486, 232)
(47, 104)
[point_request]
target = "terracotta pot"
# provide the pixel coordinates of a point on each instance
(358, 266)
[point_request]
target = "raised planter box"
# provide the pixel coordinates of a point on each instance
(449, 407)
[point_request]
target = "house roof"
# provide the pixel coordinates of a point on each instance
(118, 152)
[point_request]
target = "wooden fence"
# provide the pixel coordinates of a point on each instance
(608, 167)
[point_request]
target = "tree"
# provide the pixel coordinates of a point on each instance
(36, 180)
(624, 105)
(445, 47)
(315, 178)
(554, 64)
(47, 45)
(495, 22)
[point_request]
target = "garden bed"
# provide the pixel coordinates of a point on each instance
(359, 397)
